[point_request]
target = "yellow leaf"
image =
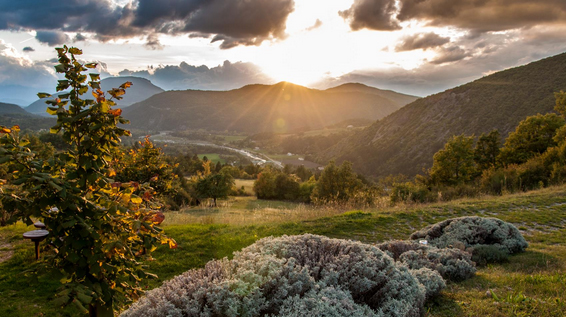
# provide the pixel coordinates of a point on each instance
(136, 200)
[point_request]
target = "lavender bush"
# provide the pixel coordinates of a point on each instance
(305, 275)
(472, 232)
(451, 264)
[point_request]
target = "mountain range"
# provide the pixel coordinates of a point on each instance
(406, 140)
(282, 107)
(141, 89)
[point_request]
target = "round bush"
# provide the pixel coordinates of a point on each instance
(287, 276)
(452, 264)
(471, 232)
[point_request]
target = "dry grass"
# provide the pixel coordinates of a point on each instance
(250, 210)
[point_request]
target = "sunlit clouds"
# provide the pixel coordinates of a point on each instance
(417, 47)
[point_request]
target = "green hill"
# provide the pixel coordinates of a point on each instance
(281, 107)
(11, 114)
(405, 141)
(141, 89)
(11, 108)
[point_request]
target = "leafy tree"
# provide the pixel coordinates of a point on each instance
(336, 183)
(214, 186)
(487, 150)
(455, 163)
(99, 229)
(264, 186)
(532, 136)
(145, 163)
(303, 173)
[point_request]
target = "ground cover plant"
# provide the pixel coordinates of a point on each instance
(532, 283)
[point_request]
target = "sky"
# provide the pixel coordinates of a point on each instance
(418, 47)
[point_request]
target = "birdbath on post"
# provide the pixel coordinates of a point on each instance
(36, 236)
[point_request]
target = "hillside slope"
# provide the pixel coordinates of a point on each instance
(11, 108)
(141, 89)
(405, 141)
(258, 108)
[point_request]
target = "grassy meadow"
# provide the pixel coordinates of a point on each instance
(529, 284)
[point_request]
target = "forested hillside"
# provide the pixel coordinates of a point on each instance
(405, 141)
(262, 108)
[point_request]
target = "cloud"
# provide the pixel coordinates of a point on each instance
(485, 15)
(421, 41)
(233, 22)
(79, 37)
(372, 14)
(28, 49)
(450, 54)
(52, 38)
(21, 78)
(153, 42)
(479, 16)
(316, 25)
(184, 76)
(483, 55)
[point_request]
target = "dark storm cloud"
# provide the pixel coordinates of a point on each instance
(52, 38)
(421, 41)
(372, 14)
(234, 22)
(226, 76)
(477, 15)
(28, 49)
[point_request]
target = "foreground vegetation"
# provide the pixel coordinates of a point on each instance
(530, 284)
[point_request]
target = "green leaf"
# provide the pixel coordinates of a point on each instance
(52, 110)
(80, 306)
(91, 65)
(69, 223)
(104, 107)
(60, 68)
(43, 95)
(75, 51)
(94, 77)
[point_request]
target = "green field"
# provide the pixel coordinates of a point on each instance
(247, 183)
(213, 157)
(530, 284)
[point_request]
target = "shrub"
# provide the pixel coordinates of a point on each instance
(431, 280)
(472, 232)
(485, 254)
(451, 264)
(292, 276)
(411, 192)
(325, 302)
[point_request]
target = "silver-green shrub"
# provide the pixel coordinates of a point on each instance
(471, 232)
(291, 276)
(326, 302)
(431, 280)
(452, 264)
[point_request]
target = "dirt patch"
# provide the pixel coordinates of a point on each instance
(6, 252)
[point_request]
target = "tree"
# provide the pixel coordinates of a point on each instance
(560, 105)
(455, 163)
(336, 183)
(532, 137)
(264, 186)
(99, 229)
(214, 186)
(487, 150)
